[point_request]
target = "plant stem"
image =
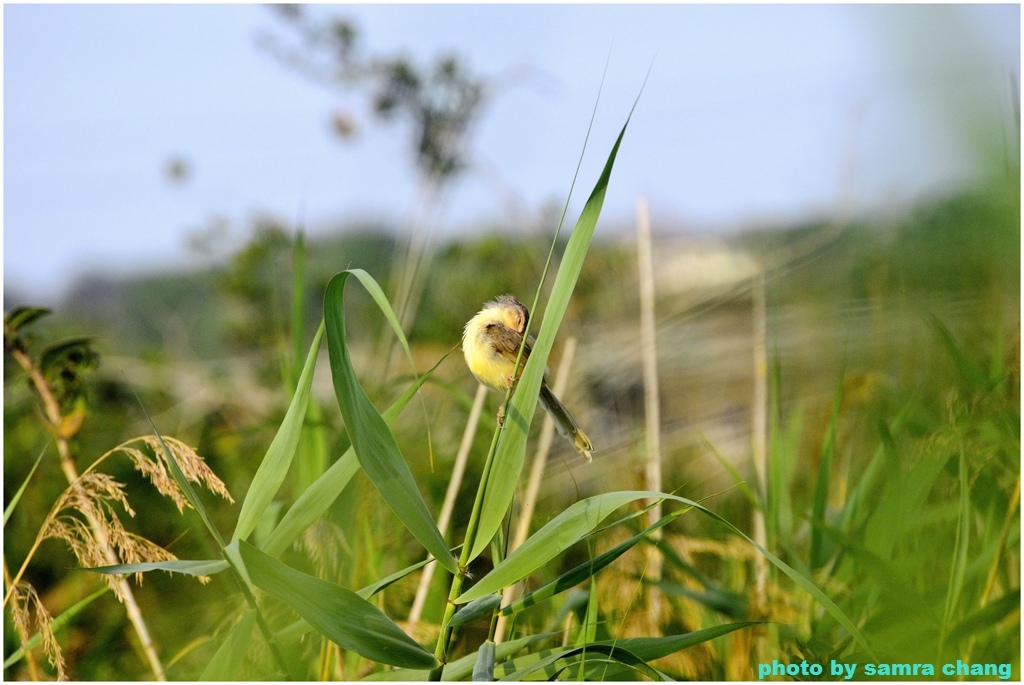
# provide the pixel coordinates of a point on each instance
(529, 499)
(67, 464)
(652, 412)
(265, 630)
(443, 640)
(461, 458)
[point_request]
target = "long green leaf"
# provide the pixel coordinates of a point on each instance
(372, 440)
(298, 308)
(511, 450)
(191, 568)
(17, 496)
(374, 588)
(274, 467)
(651, 648)
(337, 613)
(476, 610)
(731, 604)
(615, 651)
(556, 536)
(585, 570)
(828, 448)
(301, 627)
(312, 503)
(645, 648)
(226, 663)
(985, 619)
(968, 370)
(963, 534)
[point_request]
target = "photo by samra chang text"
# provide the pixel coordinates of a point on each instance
(835, 670)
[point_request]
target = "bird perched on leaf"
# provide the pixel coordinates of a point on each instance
(491, 344)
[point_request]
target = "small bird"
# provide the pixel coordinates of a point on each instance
(491, 343)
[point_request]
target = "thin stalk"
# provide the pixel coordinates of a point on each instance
(474, 520)
(759, 446)
(458, 471)
(407, 282)
(67, 464)
(993, 571)
(652, 411)
(443, 640)
(540, 459)
(265, 630)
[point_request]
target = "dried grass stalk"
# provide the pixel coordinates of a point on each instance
(86, 519)
(30, 617)
(192, 465)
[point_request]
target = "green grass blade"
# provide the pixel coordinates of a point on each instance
(551, 540)
(374, 588)
(17, 496)
(298, 308)
(58, 624)
(202, 567)
(476, 610)
(651, 648)
(985, 619)
(738, 480)
(565, 528)
(806, 585)
(377, 293)
(312, 450)
(575, 576)
(731, 604)
(784, 454)
(226, 663)
(335, 612)
(968, 370)
(963, 533)
(511, 450)
(828, 448)
(312, 503)
(899, 505)
(615, 651)
(462, 668)
(274, 467)
(372, 440)
(591, 620)
(645, 648)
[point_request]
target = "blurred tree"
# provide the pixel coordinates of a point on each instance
(441, 101)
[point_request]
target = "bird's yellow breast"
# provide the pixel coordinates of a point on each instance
(488, 365)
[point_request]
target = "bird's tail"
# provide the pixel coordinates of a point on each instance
(566, 425)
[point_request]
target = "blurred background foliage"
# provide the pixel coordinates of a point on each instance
(911, 320)
(204, 350)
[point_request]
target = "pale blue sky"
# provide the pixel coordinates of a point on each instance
(752, 113)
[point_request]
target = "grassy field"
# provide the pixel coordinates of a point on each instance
(873, 367)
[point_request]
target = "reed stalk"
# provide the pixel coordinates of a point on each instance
(454, 483)
(51, 409)
(652, 410)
